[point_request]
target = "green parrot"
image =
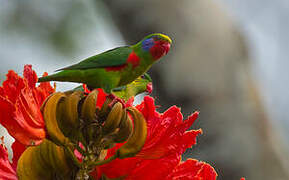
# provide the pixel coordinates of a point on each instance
(116, 67)
(138, 86)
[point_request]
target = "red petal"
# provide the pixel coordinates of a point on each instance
(6, 119)
(12, 119)
(12, 86)
(1, 91)
(154, 169)
(192, 170)
(138, 168)
(17, 149)
(20, 103)
(96, 174)
(147, 107)
(118, 167)
(101, 96)
(6, 170)
(43, 91)
(35, 134)
(166, 132)
(30, 109)
(30, 76)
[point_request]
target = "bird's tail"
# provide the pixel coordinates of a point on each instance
(67, 76)
(53, 77)
(44, 79)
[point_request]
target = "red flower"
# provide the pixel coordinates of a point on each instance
(20, 102)
(160, 157)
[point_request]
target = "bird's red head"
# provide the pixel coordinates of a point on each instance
(160, 49)
(157, 45)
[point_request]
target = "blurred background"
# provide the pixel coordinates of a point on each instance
(228, 61)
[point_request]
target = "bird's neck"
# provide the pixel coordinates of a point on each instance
(144, 63)
(146, 57)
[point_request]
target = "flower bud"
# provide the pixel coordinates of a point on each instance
(46, 161)
(74, 118)
(68, 114)
(136, 141)
(125, 129)
(88, 108)
(113, 119)
(50, 114)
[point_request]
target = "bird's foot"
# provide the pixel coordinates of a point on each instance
(115, 99)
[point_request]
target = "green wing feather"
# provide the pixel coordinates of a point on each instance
(110, 58)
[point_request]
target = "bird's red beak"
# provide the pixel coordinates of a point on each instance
(167, 47)
(149, 87)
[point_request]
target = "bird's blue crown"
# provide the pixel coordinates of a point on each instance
(147, 44)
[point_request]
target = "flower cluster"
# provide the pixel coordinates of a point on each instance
(167, 139)
(33, 116)
(20, 102)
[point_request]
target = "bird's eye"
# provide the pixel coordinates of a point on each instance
(143, 76)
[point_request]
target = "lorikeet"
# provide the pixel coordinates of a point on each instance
(116, 67)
